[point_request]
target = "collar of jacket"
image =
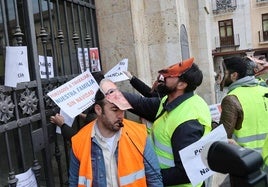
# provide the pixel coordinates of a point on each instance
(170, 106)
(247, 81)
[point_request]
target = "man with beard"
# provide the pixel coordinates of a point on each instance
(111, 150)
(245, 108)
(180, 118)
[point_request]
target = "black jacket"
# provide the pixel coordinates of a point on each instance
(143, 88)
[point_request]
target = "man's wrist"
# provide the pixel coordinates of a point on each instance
(62, 125)
(132, 78)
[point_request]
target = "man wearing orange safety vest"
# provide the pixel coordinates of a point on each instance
(111, 150)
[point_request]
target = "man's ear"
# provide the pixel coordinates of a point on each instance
(256, 70)
(234, 76)
(182, 85)
(98, 109)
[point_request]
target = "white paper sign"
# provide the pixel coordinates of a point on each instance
(16, 65)
(76, 95)
(26, 179)
(196, 170)
(67, 120)
(116, 74)
(42, 66)
(82, 59)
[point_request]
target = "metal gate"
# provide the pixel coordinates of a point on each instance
(49, 28)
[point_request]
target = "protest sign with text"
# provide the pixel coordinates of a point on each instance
(195, 169)
(76, 95)
(116, 74)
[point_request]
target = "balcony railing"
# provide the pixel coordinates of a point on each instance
(227, 42)
(261, 1)
(263, 36)
(220, 6)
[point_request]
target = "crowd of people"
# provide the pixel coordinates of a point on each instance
(113, 151)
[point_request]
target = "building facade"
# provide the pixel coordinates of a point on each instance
(155, 34)
(239, 28)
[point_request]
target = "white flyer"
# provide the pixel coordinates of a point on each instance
(42, 66)
(116, 74)
(26, 179)
(16, 65)
(196, 170)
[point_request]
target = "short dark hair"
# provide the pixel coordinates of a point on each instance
(236, 64)
(99, 98)
(98, 76)
(193, 77)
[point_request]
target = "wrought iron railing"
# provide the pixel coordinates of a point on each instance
(223, 6)
(227, 42)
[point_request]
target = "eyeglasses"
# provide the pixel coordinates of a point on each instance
(110, 91)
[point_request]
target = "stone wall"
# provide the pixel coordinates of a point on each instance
(148, 34)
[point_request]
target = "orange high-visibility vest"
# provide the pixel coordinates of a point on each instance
(131, 170)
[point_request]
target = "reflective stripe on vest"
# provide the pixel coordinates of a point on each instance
(130, 166)
(164, 160)
(165, 125)
(82, 180)
(250, 139)
(253, 131)
(194, 108)
(132, 177)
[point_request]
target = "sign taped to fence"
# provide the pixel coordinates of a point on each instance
(95, 59)
(43, 64)
(83, 57)
(76, 95)
(26, 179)
(16, 65)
